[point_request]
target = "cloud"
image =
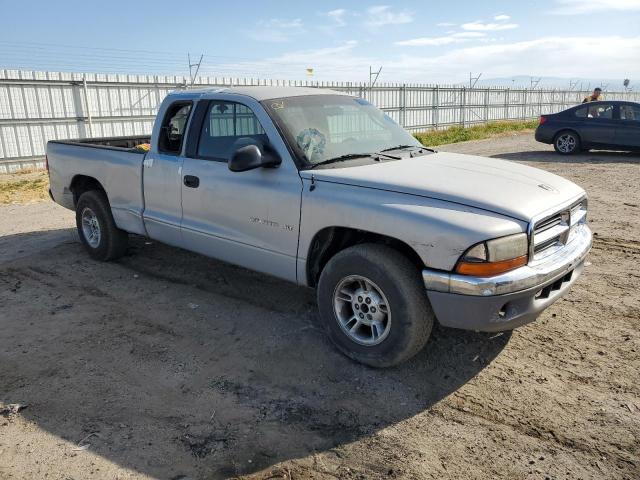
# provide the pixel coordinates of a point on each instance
(613, 56)
(330, 63)
(337, 16)
(439, 41)
(277, 30)
(578, 7)
(280, 23)
(445, 24)
(488, 27)
(381, 15)
(502, 18)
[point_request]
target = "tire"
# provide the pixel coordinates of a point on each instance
(97, 229)
(353, 283)
(567, 143)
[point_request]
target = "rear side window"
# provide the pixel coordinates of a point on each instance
(630, 112)
(581, 112)
(173, 128)
(227, 127)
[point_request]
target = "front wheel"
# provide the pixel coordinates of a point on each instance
(98, 232)
(567, 143)
(374, 306)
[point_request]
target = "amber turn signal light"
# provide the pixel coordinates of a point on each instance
(489, 269)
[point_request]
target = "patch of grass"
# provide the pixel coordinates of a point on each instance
(24, 187)
(476, 132)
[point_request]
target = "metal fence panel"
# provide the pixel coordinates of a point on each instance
(39, 106)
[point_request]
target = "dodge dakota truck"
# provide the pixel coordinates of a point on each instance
(324, 189)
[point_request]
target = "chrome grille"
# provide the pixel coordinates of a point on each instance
(554, 232)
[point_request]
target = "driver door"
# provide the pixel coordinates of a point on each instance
(247, 218)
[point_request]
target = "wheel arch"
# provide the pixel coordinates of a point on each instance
(330, 240)
(84, 183)
(567, 129)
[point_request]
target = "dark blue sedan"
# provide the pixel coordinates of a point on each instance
(606, 125)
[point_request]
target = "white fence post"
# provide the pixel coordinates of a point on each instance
(463, 107)
(486, 105)
(436, 106)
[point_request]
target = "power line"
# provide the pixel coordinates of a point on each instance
(115, 53)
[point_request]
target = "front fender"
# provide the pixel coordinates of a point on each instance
(438, 231)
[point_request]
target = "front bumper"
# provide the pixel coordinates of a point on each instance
(506, 301)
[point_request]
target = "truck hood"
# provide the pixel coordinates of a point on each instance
(500, 186)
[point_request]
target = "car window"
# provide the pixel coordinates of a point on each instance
(604, 111)
(227, 127)
(630, 112)
(173, 127)
(581, 112)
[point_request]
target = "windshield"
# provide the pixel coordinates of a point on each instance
(325, 127)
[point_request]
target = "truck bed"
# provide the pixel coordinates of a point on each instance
(114, 142)
(71, 160)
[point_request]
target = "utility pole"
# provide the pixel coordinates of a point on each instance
(535, 82)
(372, 80)
(473, 80)
(193, 75)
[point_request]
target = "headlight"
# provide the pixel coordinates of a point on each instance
(496, 256)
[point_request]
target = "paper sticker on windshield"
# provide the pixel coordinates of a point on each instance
(277, 105)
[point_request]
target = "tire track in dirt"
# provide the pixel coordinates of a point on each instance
(540, 433)
(616, 244)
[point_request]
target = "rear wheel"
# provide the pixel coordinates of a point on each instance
(374, 306)
(567, 143)
(98, 232)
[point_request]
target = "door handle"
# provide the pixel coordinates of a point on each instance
(191, 181)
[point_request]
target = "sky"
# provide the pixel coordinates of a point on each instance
(413, 41)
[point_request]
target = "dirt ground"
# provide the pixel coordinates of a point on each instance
(23, 187)
(170, 365)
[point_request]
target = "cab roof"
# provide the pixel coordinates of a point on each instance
(258, 93)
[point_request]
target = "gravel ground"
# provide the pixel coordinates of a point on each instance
(170, 365)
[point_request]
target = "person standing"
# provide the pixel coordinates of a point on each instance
(596, 96)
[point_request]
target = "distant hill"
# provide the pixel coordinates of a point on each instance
(524, 81)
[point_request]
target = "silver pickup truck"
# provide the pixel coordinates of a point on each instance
(325, 190)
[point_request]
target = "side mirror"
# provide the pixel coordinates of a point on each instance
(250, 157)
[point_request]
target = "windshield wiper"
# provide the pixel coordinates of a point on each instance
(399, 147)
(341, 158)
(402, 147)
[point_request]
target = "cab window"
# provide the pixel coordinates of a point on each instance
(173, 128)
(227, 127)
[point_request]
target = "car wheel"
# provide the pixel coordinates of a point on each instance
(567, 143)
(374, 306)
(97, 230)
